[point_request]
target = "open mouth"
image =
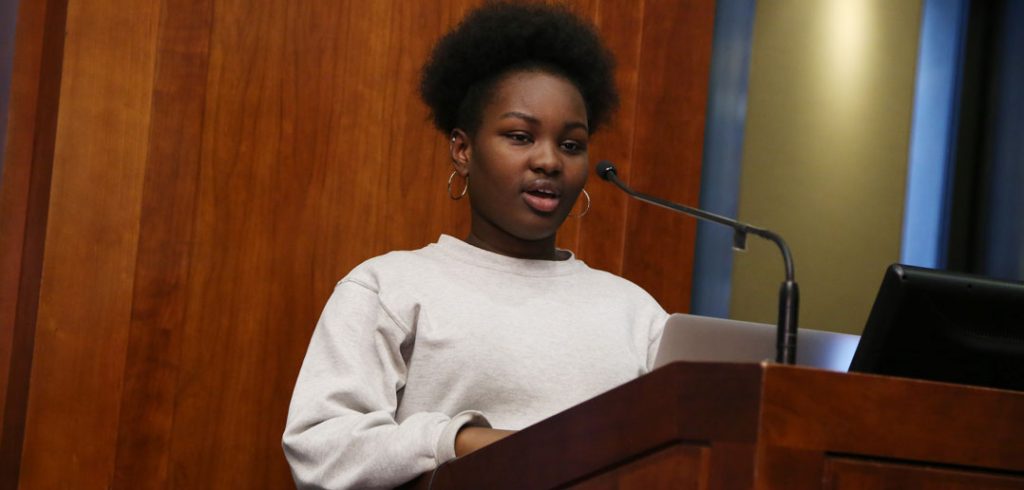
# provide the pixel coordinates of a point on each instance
(542, 200)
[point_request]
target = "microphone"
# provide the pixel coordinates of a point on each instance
(789, 293)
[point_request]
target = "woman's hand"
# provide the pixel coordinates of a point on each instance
(470, 439)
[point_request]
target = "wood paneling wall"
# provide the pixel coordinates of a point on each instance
(186, 180)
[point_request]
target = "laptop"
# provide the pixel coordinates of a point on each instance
(708, 339)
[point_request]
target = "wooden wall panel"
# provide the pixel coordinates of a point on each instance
(165, 238)
(222, 163)
(418, 206)
(282, 134)
(259, 184)
(675, 57)
(602, 234)
(89, 258)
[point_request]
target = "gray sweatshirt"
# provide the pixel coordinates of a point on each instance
(414, 345)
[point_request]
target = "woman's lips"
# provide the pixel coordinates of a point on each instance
(541, 202)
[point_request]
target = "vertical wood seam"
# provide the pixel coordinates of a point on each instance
(212, 16)
(154, 48)
(165, 457)
(135, 267)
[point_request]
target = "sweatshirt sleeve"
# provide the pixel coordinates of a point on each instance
(656, 328)
(341, 430)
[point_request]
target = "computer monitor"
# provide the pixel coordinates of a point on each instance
(943, 326)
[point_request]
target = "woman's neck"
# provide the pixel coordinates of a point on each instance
(543, 249)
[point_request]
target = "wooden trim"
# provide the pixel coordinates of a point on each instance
(82, 323)
(24, 206)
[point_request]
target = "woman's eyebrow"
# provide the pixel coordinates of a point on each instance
(519, 115)
(576, 124)
(533, 120)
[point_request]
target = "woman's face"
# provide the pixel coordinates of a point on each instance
(527, 162)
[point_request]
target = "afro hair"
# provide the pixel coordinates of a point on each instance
(501, 37)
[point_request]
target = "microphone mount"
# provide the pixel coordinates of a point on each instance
(789, 294)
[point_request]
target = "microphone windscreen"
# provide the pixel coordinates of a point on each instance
(604, 167)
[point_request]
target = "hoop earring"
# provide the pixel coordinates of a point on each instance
(464, 189)
(585, 209)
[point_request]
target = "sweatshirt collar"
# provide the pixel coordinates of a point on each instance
(484, 258)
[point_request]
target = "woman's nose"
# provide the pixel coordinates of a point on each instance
(546, 159)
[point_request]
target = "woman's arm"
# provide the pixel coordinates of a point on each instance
(341, 430)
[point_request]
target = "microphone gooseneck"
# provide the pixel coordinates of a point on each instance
(789, 293)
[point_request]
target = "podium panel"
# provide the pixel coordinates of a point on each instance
(765, 426)
(850, 474)
(678, 466)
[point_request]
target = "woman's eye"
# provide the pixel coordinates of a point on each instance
(573, 146)
(519, 137)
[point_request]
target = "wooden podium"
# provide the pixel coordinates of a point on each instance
(764, 426)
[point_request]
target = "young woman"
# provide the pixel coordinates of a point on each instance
(425, 355)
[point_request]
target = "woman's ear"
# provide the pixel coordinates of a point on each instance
(460, 149)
